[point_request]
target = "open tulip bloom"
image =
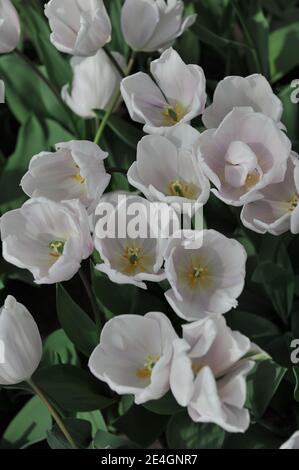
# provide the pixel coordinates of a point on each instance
(22, 343)
(149, 25)
(208, 374)
(75, 171)
(204, 280)
(130, 257)
(177, 95)
(246, 153)
(78, 27)
(134, 355)
(176, 178)
(48, 238)
(249, 92)
(277, 211)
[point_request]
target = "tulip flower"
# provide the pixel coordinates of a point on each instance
(292, 443)
(208, 374)
(79, 27)
(205, 280)
(249, 92)
(49, 239)
(177, 95)
(22, 344)
(134, 355)
(149, 25)
(133, 252)
(75, 171)
(177, 177)
(245, 154)
(10, 29)
(95, 81)
(278, 210)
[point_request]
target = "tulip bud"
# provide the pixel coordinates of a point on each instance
(150, 25)
(79, 28)
(9, 27)
(21, 343)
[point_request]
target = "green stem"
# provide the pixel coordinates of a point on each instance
(114, 61)
(116, 170)
(92, 299)
(48, 83)
(53, 413)
(248, 38)
(113, 103)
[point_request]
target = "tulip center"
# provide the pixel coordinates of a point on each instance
(293, 202)
(78, 177)
(182, 189)
(132, 260)
(196, 275)
(196, 367)
(252, 179)
(56, 248)
(173, 114)
(145, 372)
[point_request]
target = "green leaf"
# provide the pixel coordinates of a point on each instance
(183, 433)
(262, 384)
(58, 349)
(73, 389)
(76, 323)
(256, 437)
(105, 440)
(127, 132)
(283, 54)
(58, 68)
(95, 418)
(259, 329)
(28, 427)
(141, 426)
(166, 405)
(79, 429)
(27, 93)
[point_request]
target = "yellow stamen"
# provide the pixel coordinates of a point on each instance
(132, 259)
(56, 248)
(196, 275)
(78, 177)
(252, 179)
(196, 367)
(145, 372)
(182, 189)
(293, 202)
(173, 114)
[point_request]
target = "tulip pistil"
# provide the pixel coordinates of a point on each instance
(182, 189)
(145, 372)
(197, 274)
(293, 202)
(78, 177)
(56, 248)
(173, 114)
(132, 260)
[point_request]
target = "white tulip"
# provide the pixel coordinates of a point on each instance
(49, 239)
(254, 92)
(95, 81)
(292, 443)
(177, 95)
(134, 355)
(10, 29)
(149, 25)
(22, 344)
(169, 172)
(205, 280)
(133, 252)
(79, 27)
(278, 210)
(244, 155)
(208, 374)
(75, 171)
